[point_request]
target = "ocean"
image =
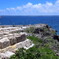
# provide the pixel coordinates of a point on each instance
(52, 21)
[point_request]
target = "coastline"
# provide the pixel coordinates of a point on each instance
(14, 37)
(52, 21)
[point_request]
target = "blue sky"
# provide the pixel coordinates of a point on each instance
(29, 7)
(15, 3)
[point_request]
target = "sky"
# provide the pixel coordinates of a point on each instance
(29, 7)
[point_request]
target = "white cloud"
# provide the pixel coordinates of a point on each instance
(33, 9)
(10, 9)
(57, 2)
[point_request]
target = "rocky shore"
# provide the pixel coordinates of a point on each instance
(13, 37)
(47, 34)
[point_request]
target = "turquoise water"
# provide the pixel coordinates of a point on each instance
(53, 21)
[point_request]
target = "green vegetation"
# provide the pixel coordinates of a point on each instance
(30, 30)
(35, 53)
(35, 39)
(44, 46)
(41, 50)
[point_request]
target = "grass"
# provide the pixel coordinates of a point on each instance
(30, 30)
(35, 39)
(36, 52)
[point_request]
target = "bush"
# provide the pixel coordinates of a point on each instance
(35, 53)
(35, 39)
(29, 30)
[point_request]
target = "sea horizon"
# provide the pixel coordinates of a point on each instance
(52, 21)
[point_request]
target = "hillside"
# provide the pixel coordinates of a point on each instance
(46, 43)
